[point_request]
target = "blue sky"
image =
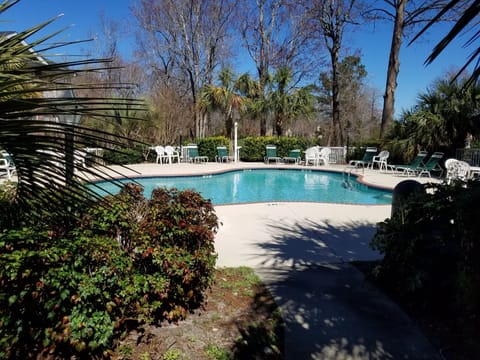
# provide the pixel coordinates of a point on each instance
(83, 20)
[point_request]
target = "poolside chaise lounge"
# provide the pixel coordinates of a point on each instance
(411, 169)
(433, 164)
(293, 157)
(194, 156)
(271, 154)
(222, 154)
(366, 161)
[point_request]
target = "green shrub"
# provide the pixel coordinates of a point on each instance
(70, 293)
(58, 294)
(253, 147)
(123, 156)
(171, 236)
(431, 250)
(208, 146)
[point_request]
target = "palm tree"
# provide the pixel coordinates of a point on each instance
(455, 101)
(36, 94)
(285, 102)
(254, 100)
(223, 98)
(443, 117)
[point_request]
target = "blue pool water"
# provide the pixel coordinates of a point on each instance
(267, 185)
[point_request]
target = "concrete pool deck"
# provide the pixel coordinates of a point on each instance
(303, 253)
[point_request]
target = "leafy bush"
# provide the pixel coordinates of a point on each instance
(170, 239)
(57, 293)
(253, 148)
(208, 146)
(431, 249)
(72, 292)
(123, 156)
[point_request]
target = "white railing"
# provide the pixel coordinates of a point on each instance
(337, 155)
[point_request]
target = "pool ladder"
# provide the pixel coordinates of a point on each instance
(347, 174)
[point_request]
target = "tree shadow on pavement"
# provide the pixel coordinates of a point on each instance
(330, 310)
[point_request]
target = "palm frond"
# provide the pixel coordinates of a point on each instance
(469, 15)
(37, 95)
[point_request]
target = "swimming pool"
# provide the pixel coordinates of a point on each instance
(266, 185)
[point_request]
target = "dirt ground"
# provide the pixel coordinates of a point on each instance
(239, 320)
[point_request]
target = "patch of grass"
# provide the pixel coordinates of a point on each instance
(125, 350)
(215, 352)
(240, 280)
(172, 354)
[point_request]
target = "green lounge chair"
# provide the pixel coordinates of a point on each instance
(367, 159)
(194, 156)
(433, 164)
(271, 154)
(412, 168)
(222, 154)
(293, 156)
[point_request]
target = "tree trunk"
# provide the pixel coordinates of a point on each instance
(229, 126)
(336, 124)
(279, 125)
(388, 112)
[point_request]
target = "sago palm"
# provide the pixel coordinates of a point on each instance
(36, 94)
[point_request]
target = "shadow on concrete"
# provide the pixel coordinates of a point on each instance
(330, 311)
(309, 243)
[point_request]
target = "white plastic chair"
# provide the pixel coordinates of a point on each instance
(171, 153)
(160, 150)
(324, 156)
(79, 158)
(312, 155)
(7, 165)
(457, 170)
(381, 160)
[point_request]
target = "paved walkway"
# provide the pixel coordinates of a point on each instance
(302, 251)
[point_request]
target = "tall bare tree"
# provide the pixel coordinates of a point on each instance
(359, 111)
(186, 40)
(405, 14)
(329, 19)
(274, 35)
